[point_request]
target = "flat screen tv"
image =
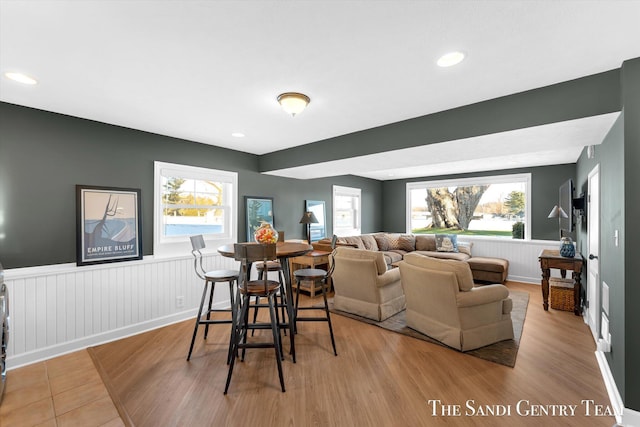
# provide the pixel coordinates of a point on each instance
(566, 203)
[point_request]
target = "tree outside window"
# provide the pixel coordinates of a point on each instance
(488, 206)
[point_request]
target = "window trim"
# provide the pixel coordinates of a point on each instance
(163, 245)
(339, 190)
(479, 180)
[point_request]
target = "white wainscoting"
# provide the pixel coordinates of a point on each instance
(58, 309)
(522, 255)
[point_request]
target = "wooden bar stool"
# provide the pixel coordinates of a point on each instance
(314, 274)
(210, 279)
(247, 253)
(266, 268)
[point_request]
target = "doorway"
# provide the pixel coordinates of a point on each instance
(593, 262)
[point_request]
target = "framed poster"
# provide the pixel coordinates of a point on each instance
(258, 210)
(108, 224)
(318, 230)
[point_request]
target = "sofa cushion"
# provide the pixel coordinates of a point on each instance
(496, 265)
(425, 242)
(458, 256)
(460, 269)
(369, 242)
(407, 242)
(393, 256)
(446, 243)
(354, 240)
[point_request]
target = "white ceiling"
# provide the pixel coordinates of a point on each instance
(201, 70)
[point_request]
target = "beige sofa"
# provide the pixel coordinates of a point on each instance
(443, 303)
(394, 246)
(364, 286)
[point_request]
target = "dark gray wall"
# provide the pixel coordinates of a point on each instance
(609, 156)
(44, 155)
(619, 157)
(583, 97)
(631, 108)
(545, 182)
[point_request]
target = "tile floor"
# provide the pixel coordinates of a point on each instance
(65, 391)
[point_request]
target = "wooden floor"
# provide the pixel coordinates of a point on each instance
(65, 391)
(379, 378)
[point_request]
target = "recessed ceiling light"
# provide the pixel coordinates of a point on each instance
(238, 135)
(21, 78)
(450, 59)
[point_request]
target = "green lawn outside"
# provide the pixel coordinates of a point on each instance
(462, 232)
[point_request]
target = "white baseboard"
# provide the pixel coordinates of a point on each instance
(523, 279)
(39, 355)
(614, 395)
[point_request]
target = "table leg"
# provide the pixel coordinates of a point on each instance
(546, 272)
(577, 285)
(291, 321)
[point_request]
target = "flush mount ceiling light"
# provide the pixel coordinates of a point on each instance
(21, 78)
(237, 135)
(450, 59)
(293, 102)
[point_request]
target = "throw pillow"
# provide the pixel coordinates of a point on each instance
(407, 242)
(446, 243)
(425, 242)
(393, 239)
(465, 247)
(369, 242)
(382, 241)
(355, 240)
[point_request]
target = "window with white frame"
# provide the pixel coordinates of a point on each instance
(346, 211)
(189, 201)
(496, 206)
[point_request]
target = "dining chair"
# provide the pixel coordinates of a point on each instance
(210, 279)
(248, 253)
(316, 275)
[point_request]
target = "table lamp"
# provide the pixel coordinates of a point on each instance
(308, 218)
(558, 212)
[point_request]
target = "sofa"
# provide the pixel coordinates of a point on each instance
(442, 302)
(394, 246)
(364, 286)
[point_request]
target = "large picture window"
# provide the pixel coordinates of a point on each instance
(496, 206)
(191, 200)
(346, 211)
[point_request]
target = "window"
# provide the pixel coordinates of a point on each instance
(346, 211)
(191, 200)
(497, 206)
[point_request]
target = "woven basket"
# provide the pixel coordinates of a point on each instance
(561, 294)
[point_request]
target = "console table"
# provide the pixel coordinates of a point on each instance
(552, 259)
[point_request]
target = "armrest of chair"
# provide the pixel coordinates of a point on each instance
(482, 295)
(388, 277)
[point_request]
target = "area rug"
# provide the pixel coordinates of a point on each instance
(503, 352)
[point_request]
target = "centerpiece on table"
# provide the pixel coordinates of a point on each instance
(265, 234)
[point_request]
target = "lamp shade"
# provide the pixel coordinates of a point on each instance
(308, 218)
(557, 212)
